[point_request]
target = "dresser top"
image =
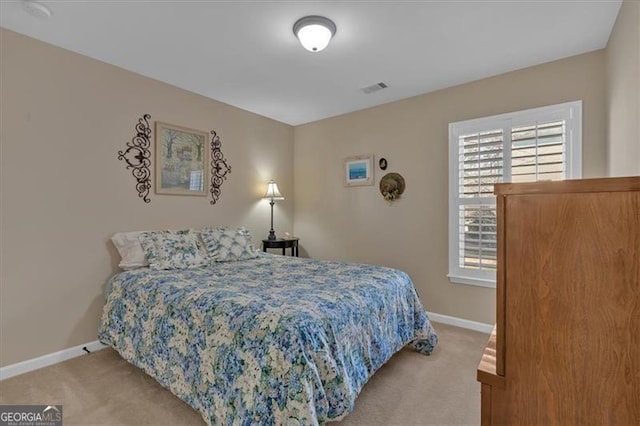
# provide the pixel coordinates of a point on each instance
(618, 184)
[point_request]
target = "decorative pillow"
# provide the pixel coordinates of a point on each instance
(227, 244)
(131, 253)
(173, 250)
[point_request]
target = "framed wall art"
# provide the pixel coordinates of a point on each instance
(358, 170)
(182, 160)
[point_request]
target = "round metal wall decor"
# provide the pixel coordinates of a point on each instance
(392, 186)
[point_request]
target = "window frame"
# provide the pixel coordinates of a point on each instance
(570, 112)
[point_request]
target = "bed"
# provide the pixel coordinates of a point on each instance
(271, 340)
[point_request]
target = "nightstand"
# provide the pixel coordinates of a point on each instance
(283, 243)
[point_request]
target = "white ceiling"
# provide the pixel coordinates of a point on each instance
(244, 53)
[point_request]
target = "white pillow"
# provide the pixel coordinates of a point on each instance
(131, 252)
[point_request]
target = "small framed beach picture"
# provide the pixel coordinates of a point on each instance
(181, 160)
(358, 170)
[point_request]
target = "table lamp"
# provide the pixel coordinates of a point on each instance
(272, 194)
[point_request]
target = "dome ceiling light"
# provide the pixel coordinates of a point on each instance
(37, 9)
(314, 32)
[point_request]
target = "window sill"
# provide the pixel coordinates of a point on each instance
(478, 282)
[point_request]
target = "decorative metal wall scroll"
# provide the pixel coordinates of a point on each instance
(219, 167)
(138, 157)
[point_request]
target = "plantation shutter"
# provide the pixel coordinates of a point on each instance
(538, 152)
(481, 164)
(528, 146)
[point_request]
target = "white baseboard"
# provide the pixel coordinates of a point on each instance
(48, 359)
(459, 322)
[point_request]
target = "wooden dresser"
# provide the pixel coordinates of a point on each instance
(566, 346)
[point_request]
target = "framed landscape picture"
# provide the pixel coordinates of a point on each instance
(181, 160)
(358, 170)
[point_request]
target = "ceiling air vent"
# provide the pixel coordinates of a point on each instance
(374, 88)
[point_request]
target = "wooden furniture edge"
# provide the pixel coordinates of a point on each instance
(501, 290)
(487, 368)
(631, 183)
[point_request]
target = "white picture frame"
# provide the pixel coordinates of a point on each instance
(358, 170)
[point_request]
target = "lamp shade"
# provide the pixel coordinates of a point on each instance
(273, 193)
(314, 32)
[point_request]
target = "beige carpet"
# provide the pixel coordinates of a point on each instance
(411, 389)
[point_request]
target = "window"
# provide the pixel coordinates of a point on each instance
(526, 146)
(196, 181)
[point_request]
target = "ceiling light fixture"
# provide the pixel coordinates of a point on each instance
(37, 9)
(314, 32)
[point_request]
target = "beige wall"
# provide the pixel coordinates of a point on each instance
(64, 192)
(335, 222)
(64, 116)
(623, 92)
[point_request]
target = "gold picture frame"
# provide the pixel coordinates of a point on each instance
(182, 160)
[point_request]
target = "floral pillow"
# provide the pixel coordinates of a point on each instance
(227, 244)
(173, 249)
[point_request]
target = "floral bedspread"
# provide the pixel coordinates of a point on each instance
(272, 340)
